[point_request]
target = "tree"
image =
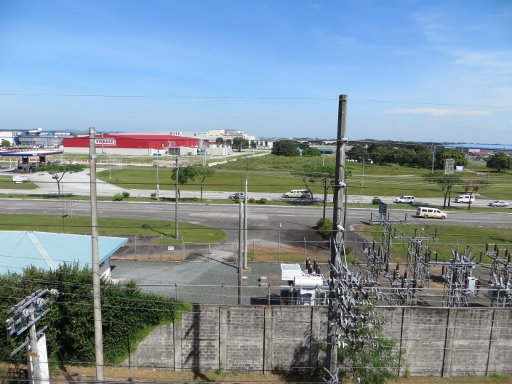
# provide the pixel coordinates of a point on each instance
(457, 156)
(5, 143)
(58, 172)
(323, 174)
(378, 153)
(203, 173)
(184, 175)
(219, 140)
(286, 148)
(499, 161)
(303, 145)
(310, 152)
(447, 182)
(358, 152)
(240, 143)
(423, 157)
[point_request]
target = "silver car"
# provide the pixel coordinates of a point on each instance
(498, 203)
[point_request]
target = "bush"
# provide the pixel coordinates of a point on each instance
(153, 196)
(252, 200)
(118, 197)
(126, 194)
(324, 228)
(262, 201)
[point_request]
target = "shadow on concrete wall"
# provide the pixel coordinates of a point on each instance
(194, 356)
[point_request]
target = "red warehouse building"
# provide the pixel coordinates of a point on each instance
(135, 144)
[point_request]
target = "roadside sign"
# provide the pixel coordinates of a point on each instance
(383, 208)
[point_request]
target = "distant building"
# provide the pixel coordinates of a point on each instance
(36, 138)
(136, 144)
(213, 134)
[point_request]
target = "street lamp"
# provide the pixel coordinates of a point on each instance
(279, 240)
(157, 182)
(177, 234)
(362, 181)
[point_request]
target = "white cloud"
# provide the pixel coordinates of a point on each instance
(437, 112)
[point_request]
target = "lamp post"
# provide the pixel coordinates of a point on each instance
(362, 183)
(157, 183)
(279, 240)
(176, 200)
(433, 157)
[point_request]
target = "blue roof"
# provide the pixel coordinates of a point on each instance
(21, 249)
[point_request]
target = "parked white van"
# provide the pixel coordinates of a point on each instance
(430, 213)
(465, 199)
(298, 193)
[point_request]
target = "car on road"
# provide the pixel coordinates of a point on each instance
(236, 196)
(404, 200)
(430, 213)
(465, 199)
(498, 203)
(376, 200)
(297, 193)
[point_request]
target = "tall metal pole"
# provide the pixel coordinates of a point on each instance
(98, 331)
(433, 156)
(338, 232)
(240, 241)
(157, 183)
(176, 199)
(245, 224)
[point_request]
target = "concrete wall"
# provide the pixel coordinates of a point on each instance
(437, 341)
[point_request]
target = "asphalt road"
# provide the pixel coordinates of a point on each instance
(225, 216)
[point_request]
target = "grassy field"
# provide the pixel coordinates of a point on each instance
(278, 174)
(7, 183)
(192, 233)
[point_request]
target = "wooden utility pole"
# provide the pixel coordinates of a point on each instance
(338, 233)
(98, 330)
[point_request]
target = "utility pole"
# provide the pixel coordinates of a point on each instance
(24, 317)
(240, 248)
(245, 224)
(177, 234)
(433, 157)
(337, 238)
(157, 183)
(98, 331)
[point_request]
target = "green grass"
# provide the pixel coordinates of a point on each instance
(7, 183)
(448, 238)
(278, 174)
(107, 226)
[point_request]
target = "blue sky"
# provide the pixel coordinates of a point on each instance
(412, 70)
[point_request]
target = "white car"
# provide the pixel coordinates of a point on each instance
(498, 203)
(405, 200)
(297, 193)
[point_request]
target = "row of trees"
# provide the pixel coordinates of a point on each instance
(294, 148)
(237, 143)
(420, 155)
